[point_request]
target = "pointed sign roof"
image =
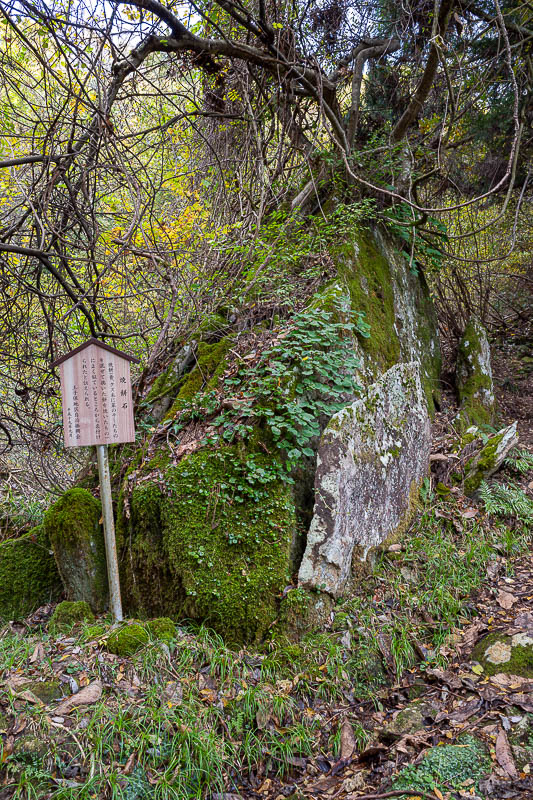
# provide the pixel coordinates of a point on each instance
(98, 343)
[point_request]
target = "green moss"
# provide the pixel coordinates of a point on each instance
(94, 632)
(477, 469)
(68, 613)
(367, 275)
(127, 640)
(520, 661)
(210, 363)
(474, 385)
(213, 543)
(162, 628)
(448, 767)
(73, 525)
(28, 574)
(46, 691)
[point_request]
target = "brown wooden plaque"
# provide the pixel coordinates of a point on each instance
(96, 395)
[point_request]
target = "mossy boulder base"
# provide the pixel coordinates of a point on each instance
(73, 526)
(28, 574)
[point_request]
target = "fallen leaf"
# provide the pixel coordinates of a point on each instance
(38, 654)
(506, 600)
(348, 743)
(130, 763)
(89, 694)
(504, 754)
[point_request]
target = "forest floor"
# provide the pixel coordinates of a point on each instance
(391, 700)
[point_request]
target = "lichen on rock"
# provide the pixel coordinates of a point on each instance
(512, 655)
(28, 574)
(73, 526)
(473, 376)
(372, 458)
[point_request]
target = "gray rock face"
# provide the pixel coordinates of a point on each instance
(371, 459)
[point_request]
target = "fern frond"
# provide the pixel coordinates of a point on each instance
(520, 461)
(504, 500)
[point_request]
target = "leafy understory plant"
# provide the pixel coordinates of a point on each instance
(306, 376)
(520, 461)
(506, 500)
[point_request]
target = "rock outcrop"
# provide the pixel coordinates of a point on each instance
(215, 506)
(473, 377)
(73, 527)
(372, 457)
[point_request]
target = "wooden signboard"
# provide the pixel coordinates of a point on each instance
(98, 409)
(96, 395)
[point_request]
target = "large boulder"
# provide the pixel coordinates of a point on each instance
(372, 458)
(213, 528)
(28, 574)
(73, 527)
(473, 377)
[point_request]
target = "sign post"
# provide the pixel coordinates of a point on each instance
(97, 407)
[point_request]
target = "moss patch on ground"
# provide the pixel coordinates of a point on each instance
(28, 574)
(127, 640)
(213, 543)
(73, 526)
(68, 613)
(447, 767)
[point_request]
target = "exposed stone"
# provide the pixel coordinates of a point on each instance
(489, 459)
(474, 376)
(46, 691)
(409, 720)
(372, 458)
(73, 525)
(28, 574)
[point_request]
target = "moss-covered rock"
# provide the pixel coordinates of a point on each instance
(473, 377)
(213, 543)
(512, 655)
(489, 458)
(209, 365)
(162, 628)
(46, 691)
(28, 574)
(396, 305)
(93, 632)
(127, 639)
(73, 526)
(68, 613)
(447, 767)
(410, 719)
